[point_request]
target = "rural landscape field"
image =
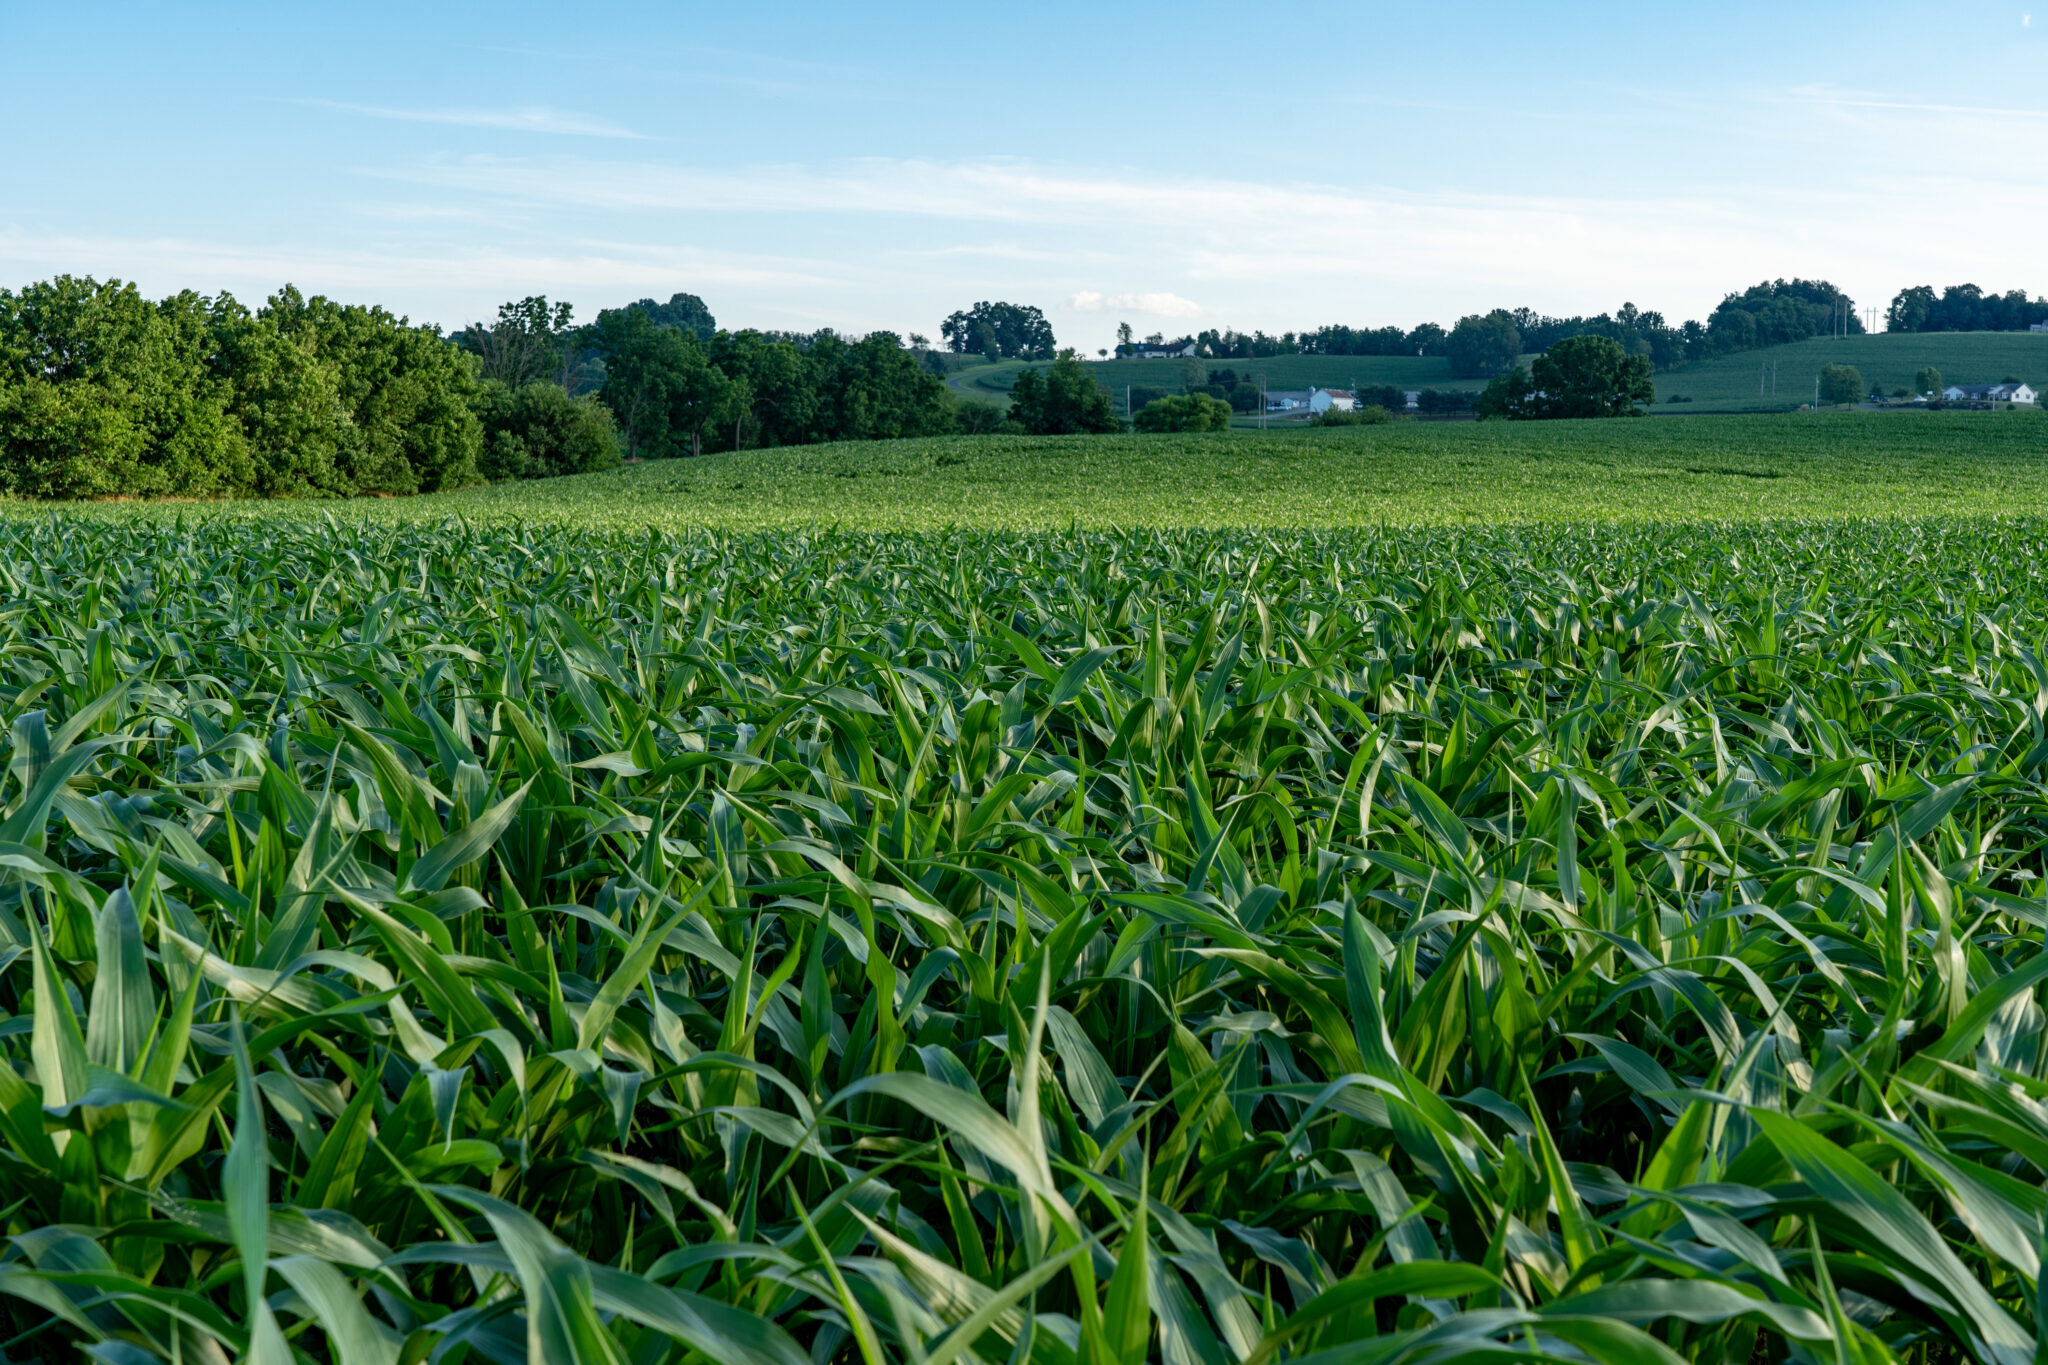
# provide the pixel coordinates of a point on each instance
(944, 685)
(1589, 931)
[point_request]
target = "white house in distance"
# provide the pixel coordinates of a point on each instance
(1310, 400)
(2039, 327)
(1162, 350)
(1990, 393)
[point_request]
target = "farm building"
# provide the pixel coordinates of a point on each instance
(1990, 393)
(2039, 327)
(1310, 400)
(1161, 350)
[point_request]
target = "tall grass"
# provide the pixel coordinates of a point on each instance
(442, 943)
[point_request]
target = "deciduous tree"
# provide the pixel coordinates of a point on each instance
(1062, 399)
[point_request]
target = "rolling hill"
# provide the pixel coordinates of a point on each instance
(1731, 383)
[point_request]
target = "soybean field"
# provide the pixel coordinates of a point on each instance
(1403, 474)
(444, 940)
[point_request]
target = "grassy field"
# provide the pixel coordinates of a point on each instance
(1550, 893)
(1730, 383)
(1685, 469)
(992, 383)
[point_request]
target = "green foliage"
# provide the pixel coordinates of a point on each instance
(530, 341)
(538, 431)
(1841, 384)
(1928, 380)
(1582, 376)
(1675, 469)
(874, 389)
(999, 331)
(682, 312)
(1484, 344)
(1364, 415)
(971, 418)
(405, 422)
(1964, 308)
(105, 394)
(1608, 943)
(1063, 399)
(1183, 412)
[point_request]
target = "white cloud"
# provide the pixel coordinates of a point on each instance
(534, 119)
(1157, 305)
(1832, 98)
(446, 287)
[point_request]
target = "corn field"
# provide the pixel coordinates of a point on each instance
(444, 943)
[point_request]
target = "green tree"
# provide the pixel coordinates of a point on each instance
(1928, 380)
(1015, 330)
(104, 393)
(1581, 376)
(1482, 345)
(538, 431)
(529, 341)
(783, 394)
(973, 418)
(1840, 384)
(1123, 336)
(1062, 399)
(643, 362)
(683, 312)
(874, 389)
(1183, 412)
(406, 418)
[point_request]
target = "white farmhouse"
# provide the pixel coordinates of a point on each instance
(1990, 393)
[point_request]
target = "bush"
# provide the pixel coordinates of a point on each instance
(975, 418)
(1581, 376)
(1841, 384)
(538, 431)
(1187, 412)
(1063, 399)
(1366, 415)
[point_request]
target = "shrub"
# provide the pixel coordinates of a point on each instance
(974, 418)
(1186, 412)
(1841, 384)
(537, 431)
(1366, 415)
(1062, 399)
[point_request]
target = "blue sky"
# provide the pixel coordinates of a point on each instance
(1174, 165)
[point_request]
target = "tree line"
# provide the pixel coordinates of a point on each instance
(1964, 308)
(106, 393)
(1482, 345)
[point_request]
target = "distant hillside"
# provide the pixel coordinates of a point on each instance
(1730, 383)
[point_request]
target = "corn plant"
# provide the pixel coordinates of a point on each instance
(442, 941)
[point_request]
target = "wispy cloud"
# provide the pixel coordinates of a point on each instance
(532, 119)
(1156, 305)
(622, 269)
(1830, 97)
(1252, 248)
